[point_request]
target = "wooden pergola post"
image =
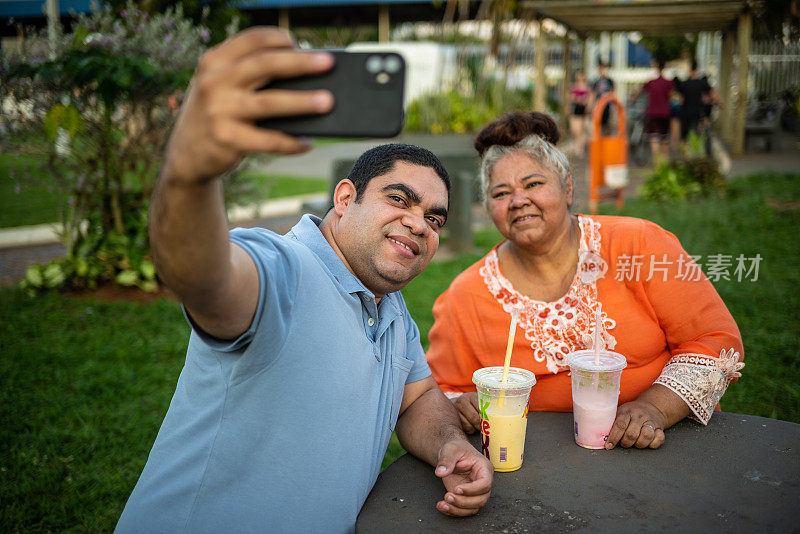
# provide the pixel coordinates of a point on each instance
(283, 18)
(567, 67)
(383, 23)
(744, 32)
(541, 82)
(587, 65)
(53, 19)
(724, 89)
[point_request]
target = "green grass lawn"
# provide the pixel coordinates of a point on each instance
(28, 197)
(266, 186)
(23, 201)
(84, 384)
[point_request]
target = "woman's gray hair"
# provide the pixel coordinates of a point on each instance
(534, 146)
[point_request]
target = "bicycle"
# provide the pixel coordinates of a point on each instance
(638, 146)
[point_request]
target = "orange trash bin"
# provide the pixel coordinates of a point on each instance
(608, 155)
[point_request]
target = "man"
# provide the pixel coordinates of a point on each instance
(303, 355)
(695, 92)
(601, 86)
(657, 115)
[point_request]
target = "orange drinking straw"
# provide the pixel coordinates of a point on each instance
(511, 333)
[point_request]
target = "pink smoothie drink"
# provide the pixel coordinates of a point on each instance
(593, 424)
(595, 393)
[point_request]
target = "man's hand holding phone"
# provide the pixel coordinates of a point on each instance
(216, 125)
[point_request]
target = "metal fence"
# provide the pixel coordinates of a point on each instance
(774, 68)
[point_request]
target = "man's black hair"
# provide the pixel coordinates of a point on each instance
(381, 160)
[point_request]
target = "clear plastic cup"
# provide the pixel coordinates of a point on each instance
(504, 414)
(595, 393)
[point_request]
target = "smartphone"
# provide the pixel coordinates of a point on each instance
(368, 89)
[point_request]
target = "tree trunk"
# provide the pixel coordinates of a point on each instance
(112, 181)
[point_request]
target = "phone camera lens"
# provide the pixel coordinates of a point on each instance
(382, 78)
(374, 64)
(392, 64)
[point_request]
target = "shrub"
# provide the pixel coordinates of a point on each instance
(694, 174)
(103, 100)
(454, 112)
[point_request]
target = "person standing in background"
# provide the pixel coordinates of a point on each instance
(693, 106)
(657, 116)
(601, 86)
(580, 96)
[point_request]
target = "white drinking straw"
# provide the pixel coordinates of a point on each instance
(597, 334)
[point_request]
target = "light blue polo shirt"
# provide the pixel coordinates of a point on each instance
(283, 429)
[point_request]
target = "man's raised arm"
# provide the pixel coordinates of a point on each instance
(216, 280)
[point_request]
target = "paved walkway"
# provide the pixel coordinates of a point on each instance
(21, 247)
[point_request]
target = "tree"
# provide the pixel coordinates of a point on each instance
(777, 19)
(220, 17)
(667, 48)
(102, 102)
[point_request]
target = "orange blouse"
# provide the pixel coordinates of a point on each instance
(658, 310)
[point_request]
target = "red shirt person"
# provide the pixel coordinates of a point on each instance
(657, 115)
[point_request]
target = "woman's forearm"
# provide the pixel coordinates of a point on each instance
(672, 407)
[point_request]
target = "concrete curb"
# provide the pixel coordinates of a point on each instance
(45, 234)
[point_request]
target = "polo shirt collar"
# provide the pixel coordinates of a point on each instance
(307, 231)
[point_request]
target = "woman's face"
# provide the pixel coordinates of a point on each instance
(526, 201)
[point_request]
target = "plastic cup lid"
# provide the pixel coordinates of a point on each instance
(492, 378)
(583, 360)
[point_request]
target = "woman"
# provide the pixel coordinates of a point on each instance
(558, 268)
(579, 93)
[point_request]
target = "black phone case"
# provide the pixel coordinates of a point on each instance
(363, 106)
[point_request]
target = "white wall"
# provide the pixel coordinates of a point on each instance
(430, 67)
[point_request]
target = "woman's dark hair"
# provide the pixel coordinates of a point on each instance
(513, 127)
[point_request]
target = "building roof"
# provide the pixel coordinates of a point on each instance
(35, 8)
(654, 17)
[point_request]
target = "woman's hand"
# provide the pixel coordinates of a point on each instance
(639, 423)
(467, 408)
(642, 422)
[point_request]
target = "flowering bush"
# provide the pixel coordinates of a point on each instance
(102, 101)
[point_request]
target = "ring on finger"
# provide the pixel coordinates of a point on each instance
(651, 427)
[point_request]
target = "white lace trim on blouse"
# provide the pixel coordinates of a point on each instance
(557, 328)
(701, 380)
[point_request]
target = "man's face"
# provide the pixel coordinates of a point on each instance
(390, 235)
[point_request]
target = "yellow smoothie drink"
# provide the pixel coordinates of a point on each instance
(506, 436)
(503, 408)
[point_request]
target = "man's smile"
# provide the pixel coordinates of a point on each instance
(406, 246)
